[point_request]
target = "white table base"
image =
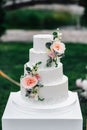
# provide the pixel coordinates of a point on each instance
(19, 115)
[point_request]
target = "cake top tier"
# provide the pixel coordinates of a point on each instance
(40, 40)
(49, 45)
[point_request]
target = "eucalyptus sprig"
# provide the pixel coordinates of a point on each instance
(40, 99)
(55, 61)
(57, 34)
(34, 68)
(49, 62)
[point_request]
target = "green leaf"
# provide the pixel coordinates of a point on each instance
(55, 61)
(54, 33)
(49, 62)
(34, 91)
(35, 68)
(26, 95)
(28, 69)
(28, 92)
(40, 85)
(40, 99)
(48, 44)
(55, 37)
(39, 63)
(61, 55)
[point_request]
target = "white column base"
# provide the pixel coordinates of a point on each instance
(17, 118)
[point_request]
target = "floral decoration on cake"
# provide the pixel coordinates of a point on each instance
(31, 82)
(55, 49)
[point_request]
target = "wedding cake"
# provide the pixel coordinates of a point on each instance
(43, 80)
(44, 101)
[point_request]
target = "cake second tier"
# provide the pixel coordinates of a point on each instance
(48, 75)
(36, 56)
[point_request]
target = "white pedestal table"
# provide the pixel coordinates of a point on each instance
(18, 115)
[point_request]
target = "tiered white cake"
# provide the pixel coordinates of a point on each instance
(55, 83)
(44, 101)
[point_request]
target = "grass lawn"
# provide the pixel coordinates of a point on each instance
(13, 56)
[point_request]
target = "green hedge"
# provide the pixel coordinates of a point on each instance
(2, 19)
(83, 19)
(38, 19)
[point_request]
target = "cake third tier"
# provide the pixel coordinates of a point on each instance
(48, 75)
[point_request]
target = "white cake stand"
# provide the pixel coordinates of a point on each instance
(31, 107)
(21, 115)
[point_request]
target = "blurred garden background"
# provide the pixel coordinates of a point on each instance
(21, 19)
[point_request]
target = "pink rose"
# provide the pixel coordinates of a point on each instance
(58, 47)
(29, 81)
(37, 76)
(51, 54)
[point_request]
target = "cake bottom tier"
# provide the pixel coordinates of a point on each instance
(52, 93)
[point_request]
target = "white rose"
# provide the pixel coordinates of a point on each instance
(84, 84)
(79, 83)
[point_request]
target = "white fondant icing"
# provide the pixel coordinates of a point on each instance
(35, 56)
(53, 93)
(55, 83)
(56, 90)
(51, 74)
(40, 40)
(43, 107)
